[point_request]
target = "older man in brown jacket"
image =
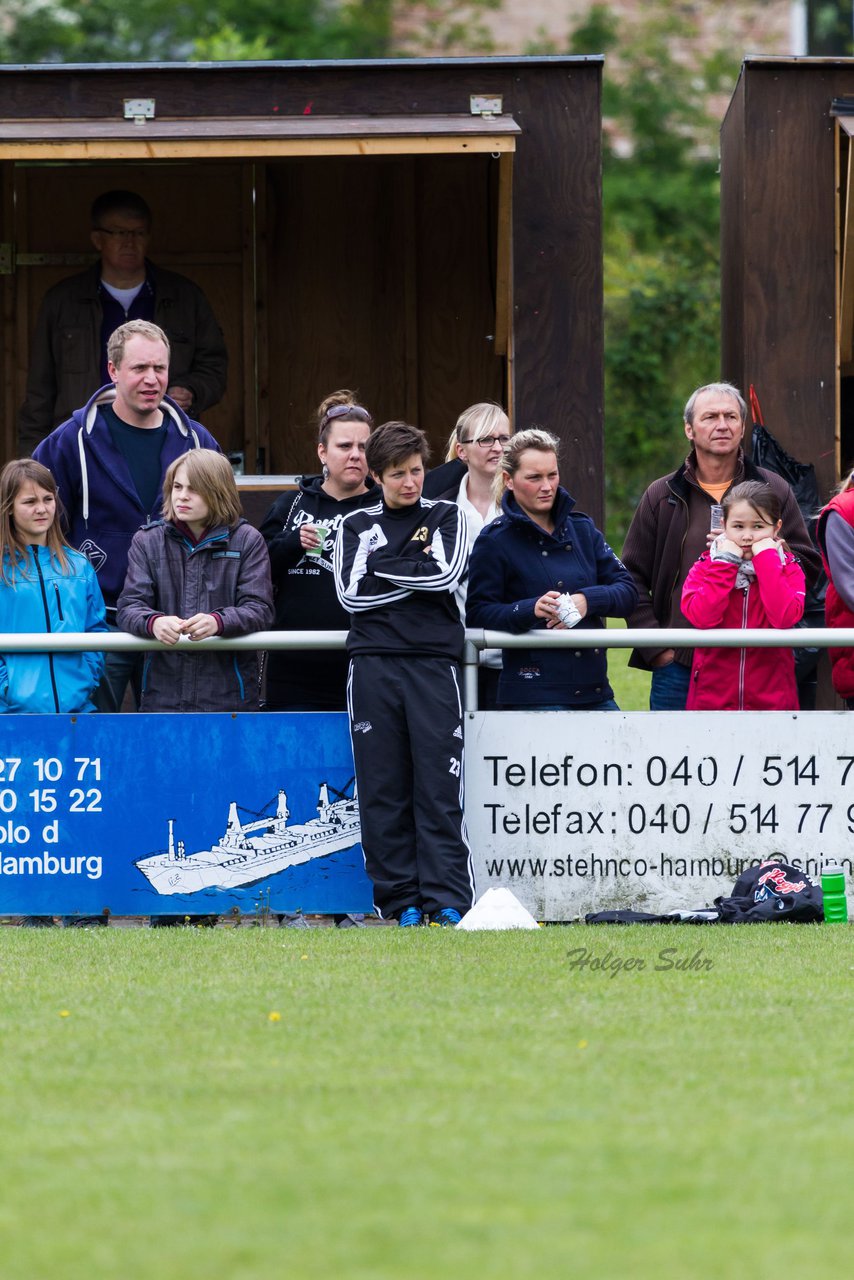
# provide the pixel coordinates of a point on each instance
(670, 530)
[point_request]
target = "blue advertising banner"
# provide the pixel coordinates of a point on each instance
(166, 815)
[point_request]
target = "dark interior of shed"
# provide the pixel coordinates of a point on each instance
(389, 274)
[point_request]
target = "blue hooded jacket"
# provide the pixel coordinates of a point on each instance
(43, 598)
(514, 562)
(102, 506)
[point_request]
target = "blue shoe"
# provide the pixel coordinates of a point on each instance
(410, 916)
(447, 918)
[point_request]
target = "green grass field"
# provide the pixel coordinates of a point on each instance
(631, 687)
(378, 1103)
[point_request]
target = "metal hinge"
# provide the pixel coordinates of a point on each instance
(139, 109)
(485, 106)
(7, 259)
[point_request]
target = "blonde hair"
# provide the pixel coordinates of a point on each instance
(210, 475)
(532, 438)
(13, 477)
(478, 420)
(120, 337)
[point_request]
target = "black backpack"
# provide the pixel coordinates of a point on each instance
(772, 891)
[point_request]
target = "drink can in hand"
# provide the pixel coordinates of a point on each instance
(567, 611)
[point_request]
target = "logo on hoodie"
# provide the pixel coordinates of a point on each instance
(93, 553)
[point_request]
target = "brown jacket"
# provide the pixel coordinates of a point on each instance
(668, 534)
(65, 355)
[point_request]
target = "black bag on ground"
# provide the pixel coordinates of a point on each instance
(773, 891)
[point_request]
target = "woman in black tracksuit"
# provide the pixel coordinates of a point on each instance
(397, 564)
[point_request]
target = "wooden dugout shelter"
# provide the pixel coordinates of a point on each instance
(428, 232)
(787, 252)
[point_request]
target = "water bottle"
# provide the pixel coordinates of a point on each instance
(833, 891)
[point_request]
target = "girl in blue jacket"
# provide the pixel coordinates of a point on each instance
(524, 566)
(44, 586)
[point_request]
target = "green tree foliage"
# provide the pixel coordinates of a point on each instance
(661, 233)
(829, 32)
(234, 30)
(178, 30)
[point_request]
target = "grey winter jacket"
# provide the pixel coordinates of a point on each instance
(228, 574)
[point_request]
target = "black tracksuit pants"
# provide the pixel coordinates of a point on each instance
(406, 727)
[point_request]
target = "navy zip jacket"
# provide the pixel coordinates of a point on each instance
(102, 507)
(513, 563)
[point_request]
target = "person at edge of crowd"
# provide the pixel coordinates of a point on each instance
(539, 550)
(45, 586)
(747, 578)
(68, 354)
(478, 440)
(301, 530)
(397, 565)
(835, 533)
(200, 571)
(109, 460)
(672, 527)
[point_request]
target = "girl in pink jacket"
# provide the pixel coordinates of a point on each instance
(747, 578)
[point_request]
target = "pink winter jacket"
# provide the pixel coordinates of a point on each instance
(744, 679)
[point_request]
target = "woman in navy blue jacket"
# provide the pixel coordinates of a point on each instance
(539, 550)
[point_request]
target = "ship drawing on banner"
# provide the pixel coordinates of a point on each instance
(254, 850)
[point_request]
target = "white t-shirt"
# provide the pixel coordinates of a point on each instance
(474, 523)
(124, 297)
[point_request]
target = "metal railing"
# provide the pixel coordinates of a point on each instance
(476, 639)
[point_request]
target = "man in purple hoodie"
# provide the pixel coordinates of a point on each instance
(109, 460)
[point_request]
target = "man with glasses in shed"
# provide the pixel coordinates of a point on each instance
(68, 356)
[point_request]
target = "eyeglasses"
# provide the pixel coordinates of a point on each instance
(487, 442)
(345, 411)
(124, 233)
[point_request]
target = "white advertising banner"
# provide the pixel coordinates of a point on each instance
(587, 811)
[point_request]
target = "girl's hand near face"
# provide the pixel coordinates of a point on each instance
(731, 548)
(765, 544)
